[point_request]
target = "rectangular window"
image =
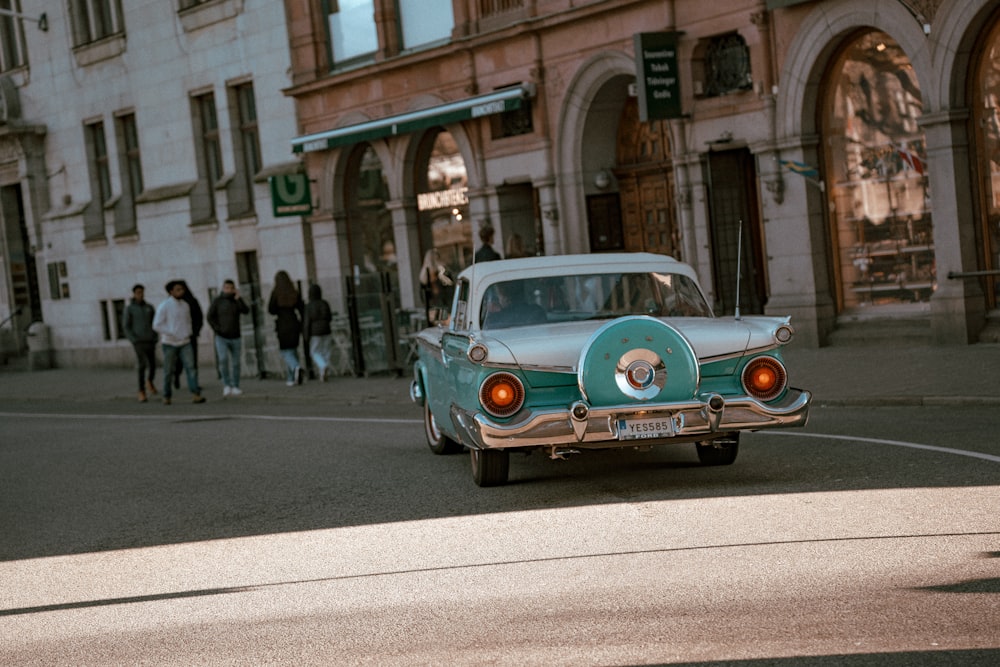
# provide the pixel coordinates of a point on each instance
(131, 171)
(58, 285)
(352, 29)
(425, 21)
(112, 315)
(99, 161)
(209, 155)
(12, 54)
(100, 180)
(94, 20)
(130, 148)
(246, 147)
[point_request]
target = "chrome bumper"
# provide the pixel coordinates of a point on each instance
(582, 426)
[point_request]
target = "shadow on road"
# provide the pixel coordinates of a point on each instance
(105, 484)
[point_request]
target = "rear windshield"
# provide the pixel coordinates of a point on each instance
(590, 297)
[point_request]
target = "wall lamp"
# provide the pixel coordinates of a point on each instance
(42, 21)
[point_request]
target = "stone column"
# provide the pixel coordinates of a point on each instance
(406, 236)
(796, 241)
(958, 307)
(549, 205)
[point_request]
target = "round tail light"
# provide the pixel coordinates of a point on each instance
(764, 378)
(501, 394)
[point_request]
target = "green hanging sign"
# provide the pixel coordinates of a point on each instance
(656, 75)
(290, 194)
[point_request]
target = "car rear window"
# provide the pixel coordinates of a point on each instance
(529, 301)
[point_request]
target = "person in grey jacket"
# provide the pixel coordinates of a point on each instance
(137, 322)
(224, 318)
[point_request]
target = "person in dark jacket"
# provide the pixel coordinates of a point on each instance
(137, 322)
(486, 252)
(224, 318)
(287, 307)
(197, 320)
(316, 326)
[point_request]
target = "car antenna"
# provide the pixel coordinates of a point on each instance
(739, 258)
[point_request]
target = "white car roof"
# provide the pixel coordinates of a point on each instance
(484, 274)
(557, 265)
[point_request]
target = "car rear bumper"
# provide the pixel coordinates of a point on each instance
(582, 426)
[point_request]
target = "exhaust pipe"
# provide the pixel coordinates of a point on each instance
(712, 412)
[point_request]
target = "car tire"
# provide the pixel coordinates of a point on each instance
(720, 452)
(490, 467)
(437, 441)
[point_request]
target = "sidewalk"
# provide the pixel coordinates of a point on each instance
(856, 376)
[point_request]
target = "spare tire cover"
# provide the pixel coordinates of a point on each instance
(637, 359)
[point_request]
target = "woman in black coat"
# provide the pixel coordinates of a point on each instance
(287, 307)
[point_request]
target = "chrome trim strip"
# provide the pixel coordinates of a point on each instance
(542, 428)
(737, 355)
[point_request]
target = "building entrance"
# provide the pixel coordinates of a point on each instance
(733, 207)
(645, 180)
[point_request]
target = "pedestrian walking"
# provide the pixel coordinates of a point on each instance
(287, 307)
(137, 321)
(318, 332)
(224, 318)
(173, 322)
(197, 320)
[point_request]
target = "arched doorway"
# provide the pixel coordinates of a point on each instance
(442, 186)
(644, 170)
(372, 288)
(878, 191)
(986, 130)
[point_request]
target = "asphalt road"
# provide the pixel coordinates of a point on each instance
(297, 537)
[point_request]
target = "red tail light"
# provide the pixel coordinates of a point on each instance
(501, 394)
(764, 378)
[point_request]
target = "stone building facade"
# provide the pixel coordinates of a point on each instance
(843, 154)
(841, 136)
(136, 147)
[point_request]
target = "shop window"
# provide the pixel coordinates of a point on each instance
(512, 123)
(444, 203)
(877, 184)
(986, 124)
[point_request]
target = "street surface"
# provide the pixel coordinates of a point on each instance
(247, 533)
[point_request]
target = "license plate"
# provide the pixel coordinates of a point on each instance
(642, 429)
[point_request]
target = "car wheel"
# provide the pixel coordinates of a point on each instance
(437, 441)
(490, 467)
(720, 452)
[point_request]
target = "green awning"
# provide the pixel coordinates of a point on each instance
(506, 99)
(778, 4)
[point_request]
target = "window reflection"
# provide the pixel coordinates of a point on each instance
(352, 29)
(987, 124)
(425, 21)
(876, 166)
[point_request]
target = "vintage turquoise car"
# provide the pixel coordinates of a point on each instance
(580, 352)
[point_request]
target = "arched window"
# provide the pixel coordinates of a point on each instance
(875, 170)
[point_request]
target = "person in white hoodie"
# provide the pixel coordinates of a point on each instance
(173, 323)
